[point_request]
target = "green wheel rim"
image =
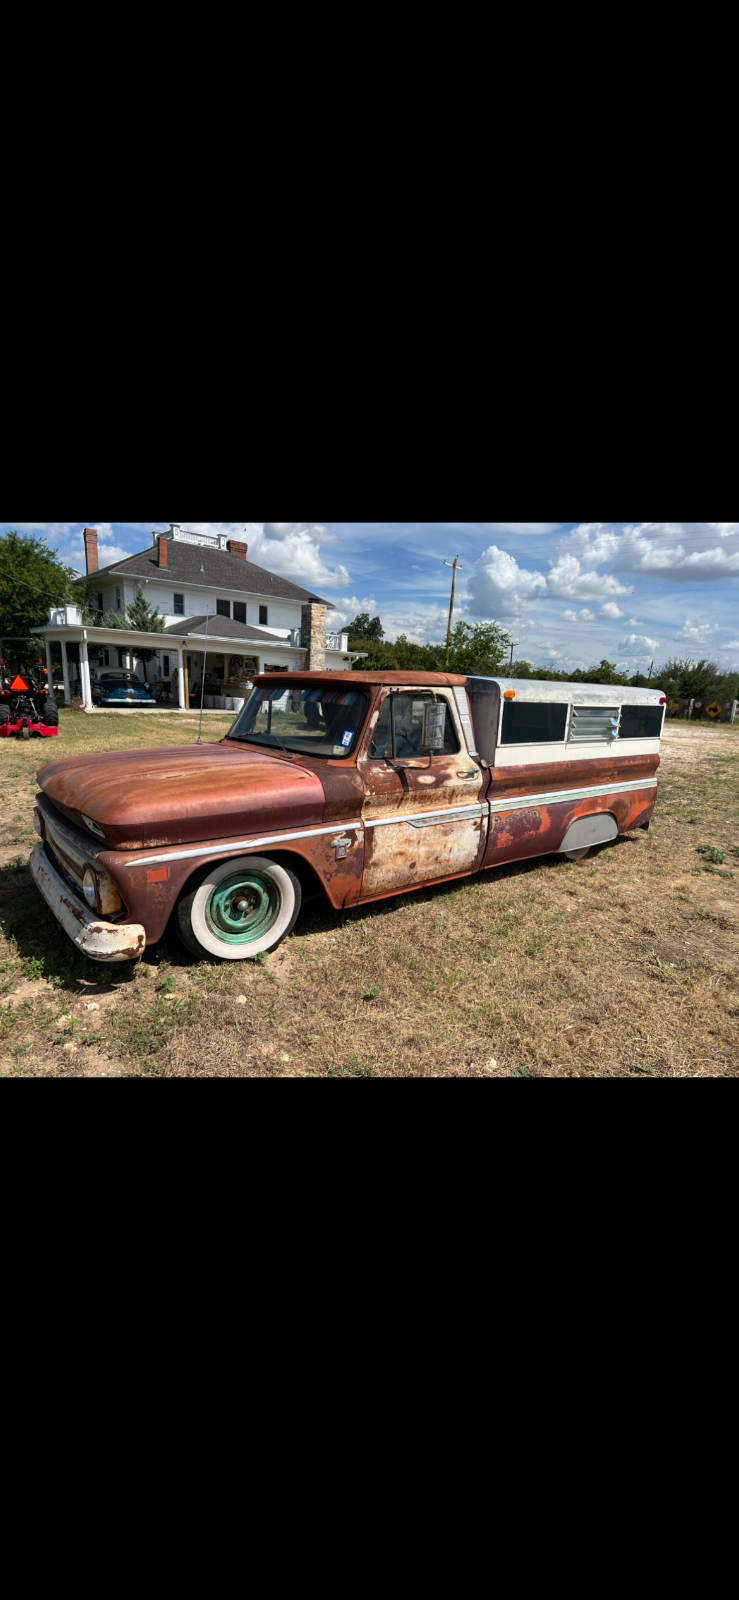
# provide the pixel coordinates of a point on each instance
(243, 907)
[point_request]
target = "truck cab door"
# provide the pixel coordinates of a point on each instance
(422, 823)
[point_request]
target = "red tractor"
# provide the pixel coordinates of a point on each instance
(27, 703)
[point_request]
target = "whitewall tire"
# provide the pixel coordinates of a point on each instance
(239, 909)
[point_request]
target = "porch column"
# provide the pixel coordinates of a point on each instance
(85, 676)
(50, 668)
(181, 679)
(65, 673)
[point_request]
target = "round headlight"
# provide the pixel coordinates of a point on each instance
(88, 887)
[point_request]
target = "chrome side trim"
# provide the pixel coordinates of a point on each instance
(231, 845)
(426, 819)
(419, 818)
(524, 801)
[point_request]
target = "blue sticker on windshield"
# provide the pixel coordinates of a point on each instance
(347, 739)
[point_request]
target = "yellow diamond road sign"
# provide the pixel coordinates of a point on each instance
(714, 710)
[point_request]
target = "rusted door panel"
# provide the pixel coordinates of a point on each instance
(539, 830)
(399, 854)
(413, 847)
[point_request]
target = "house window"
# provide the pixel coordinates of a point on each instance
(263, 616)
(101, 604)
(118, 605)
(524, 722)
(239, 611)
(223, 608)
(165, 666)
(179, 605)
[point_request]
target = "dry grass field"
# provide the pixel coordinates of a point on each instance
(625, 965)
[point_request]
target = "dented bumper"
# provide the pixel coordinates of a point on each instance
(101, 941)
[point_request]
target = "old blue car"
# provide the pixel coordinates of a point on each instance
(121, 688)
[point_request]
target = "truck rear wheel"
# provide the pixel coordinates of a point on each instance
(4, 715)
(239, 909)
(51, 714)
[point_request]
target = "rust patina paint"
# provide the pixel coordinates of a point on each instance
(144, 799)
(211, 795)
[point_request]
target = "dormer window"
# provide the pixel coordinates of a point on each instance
(179, 605)
(263, 616)
(223, 608)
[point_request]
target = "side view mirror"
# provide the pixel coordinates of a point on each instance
(434, 723)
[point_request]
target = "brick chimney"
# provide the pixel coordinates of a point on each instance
(237, 548)
(163, 550)
(90, 537)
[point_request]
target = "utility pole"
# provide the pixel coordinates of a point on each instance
(514, 646)
(456, 566)
(650, 669)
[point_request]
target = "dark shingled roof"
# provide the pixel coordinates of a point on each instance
(224, 628)
(222, 570)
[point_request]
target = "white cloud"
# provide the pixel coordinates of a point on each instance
(292, 549)
(638, 644)
(591, 542)
(612, 611)
(420, 623)
(498, 586)
(680, 552)
(579, 616)
(697, 632)
(537, 528)
(732, 645)
(350, 607)
(635, 622)
(568, 581)
(108, 553)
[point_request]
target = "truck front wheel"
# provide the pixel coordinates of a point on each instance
(239, 909)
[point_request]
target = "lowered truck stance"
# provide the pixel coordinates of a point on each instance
(359, 785)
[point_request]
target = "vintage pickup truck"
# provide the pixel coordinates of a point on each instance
(356, 785)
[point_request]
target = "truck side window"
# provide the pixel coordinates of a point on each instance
(408, 711)
(525, 722)
(641, 722)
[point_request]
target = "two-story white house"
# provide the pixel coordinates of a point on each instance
(256, 621)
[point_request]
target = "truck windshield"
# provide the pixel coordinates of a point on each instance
(307, 721)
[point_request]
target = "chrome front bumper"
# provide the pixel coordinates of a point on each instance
(101, 941)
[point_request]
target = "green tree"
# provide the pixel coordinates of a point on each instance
(32, 582)
(481, 649)
(365, 627)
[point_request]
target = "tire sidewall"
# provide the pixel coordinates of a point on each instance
(289, 890)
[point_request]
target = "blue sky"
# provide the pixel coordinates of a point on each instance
(570, 592)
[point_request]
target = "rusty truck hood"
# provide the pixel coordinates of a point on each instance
(144, 798)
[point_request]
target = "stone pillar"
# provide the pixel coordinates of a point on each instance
(85, 678)
(313, 629)
(65, 673)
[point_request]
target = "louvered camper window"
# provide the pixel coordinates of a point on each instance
(593, 722)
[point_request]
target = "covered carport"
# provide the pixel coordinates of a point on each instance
(214, 646)
(66, 629)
